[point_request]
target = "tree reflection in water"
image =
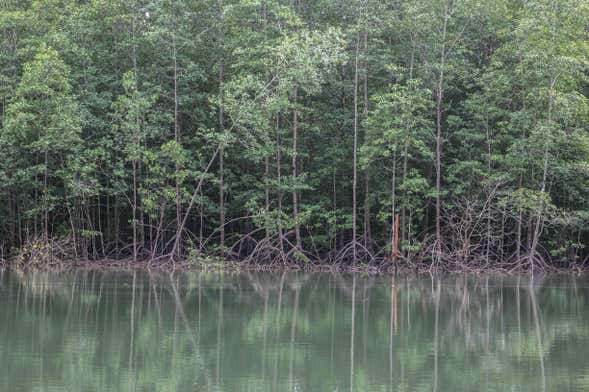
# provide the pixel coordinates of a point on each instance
(135, 330)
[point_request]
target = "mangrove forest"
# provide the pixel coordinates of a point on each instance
(450, 134)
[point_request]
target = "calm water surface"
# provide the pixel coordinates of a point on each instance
(135, 331)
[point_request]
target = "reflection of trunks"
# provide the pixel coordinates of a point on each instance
(289, 331)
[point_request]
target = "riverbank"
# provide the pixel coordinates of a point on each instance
(63, 254)
(382, 268)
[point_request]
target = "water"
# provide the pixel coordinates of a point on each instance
(135, 331)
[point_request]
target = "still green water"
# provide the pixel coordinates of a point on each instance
(136, 331)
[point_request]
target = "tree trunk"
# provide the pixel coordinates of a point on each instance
(295, 202)
(406, 144)
(438, 157)
(267, 194)
(177, 131)
(201, 220)
(367, 231)
(352, 332)
(134, 208)
(334, 206)
(393, 204)
(221, 152)
(355, 175)
(540, 216)
(488, 249)
(266, 157)
(116, 223)
(12, 217)
(46, 199)
(134, 164)
(279, 180)
(222, 197)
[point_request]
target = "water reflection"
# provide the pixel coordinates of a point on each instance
(134, 330)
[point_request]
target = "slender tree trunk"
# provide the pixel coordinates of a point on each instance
(367, 220)
(521, 180)
(295, 201)
(107, 218)
(502, 241)
(73, 229)
(195, 194)
(367, 231)
(355, 175)
(45, 198)
(158, 230)
(134, 210)
(201, 220)
(100, 226)
(393, 204)
(222, 197)
(488, 250)
(334, 206)
(116, 223)
(540, 216)
(279, 179)
(436, 332)
(353, 333)
(134, 164)
(439, 110)
(140, 215)
(266, 157)
(19, 225)
(406, 144)
(37, 201)
(12, 217)
(222, 149)
(177, 131)
(405, 165)
(267, 194)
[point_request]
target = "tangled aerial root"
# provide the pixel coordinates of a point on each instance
(40, 252)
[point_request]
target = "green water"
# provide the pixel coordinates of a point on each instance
(135, 331)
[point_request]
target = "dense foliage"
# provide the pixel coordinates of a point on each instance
(299, 130)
